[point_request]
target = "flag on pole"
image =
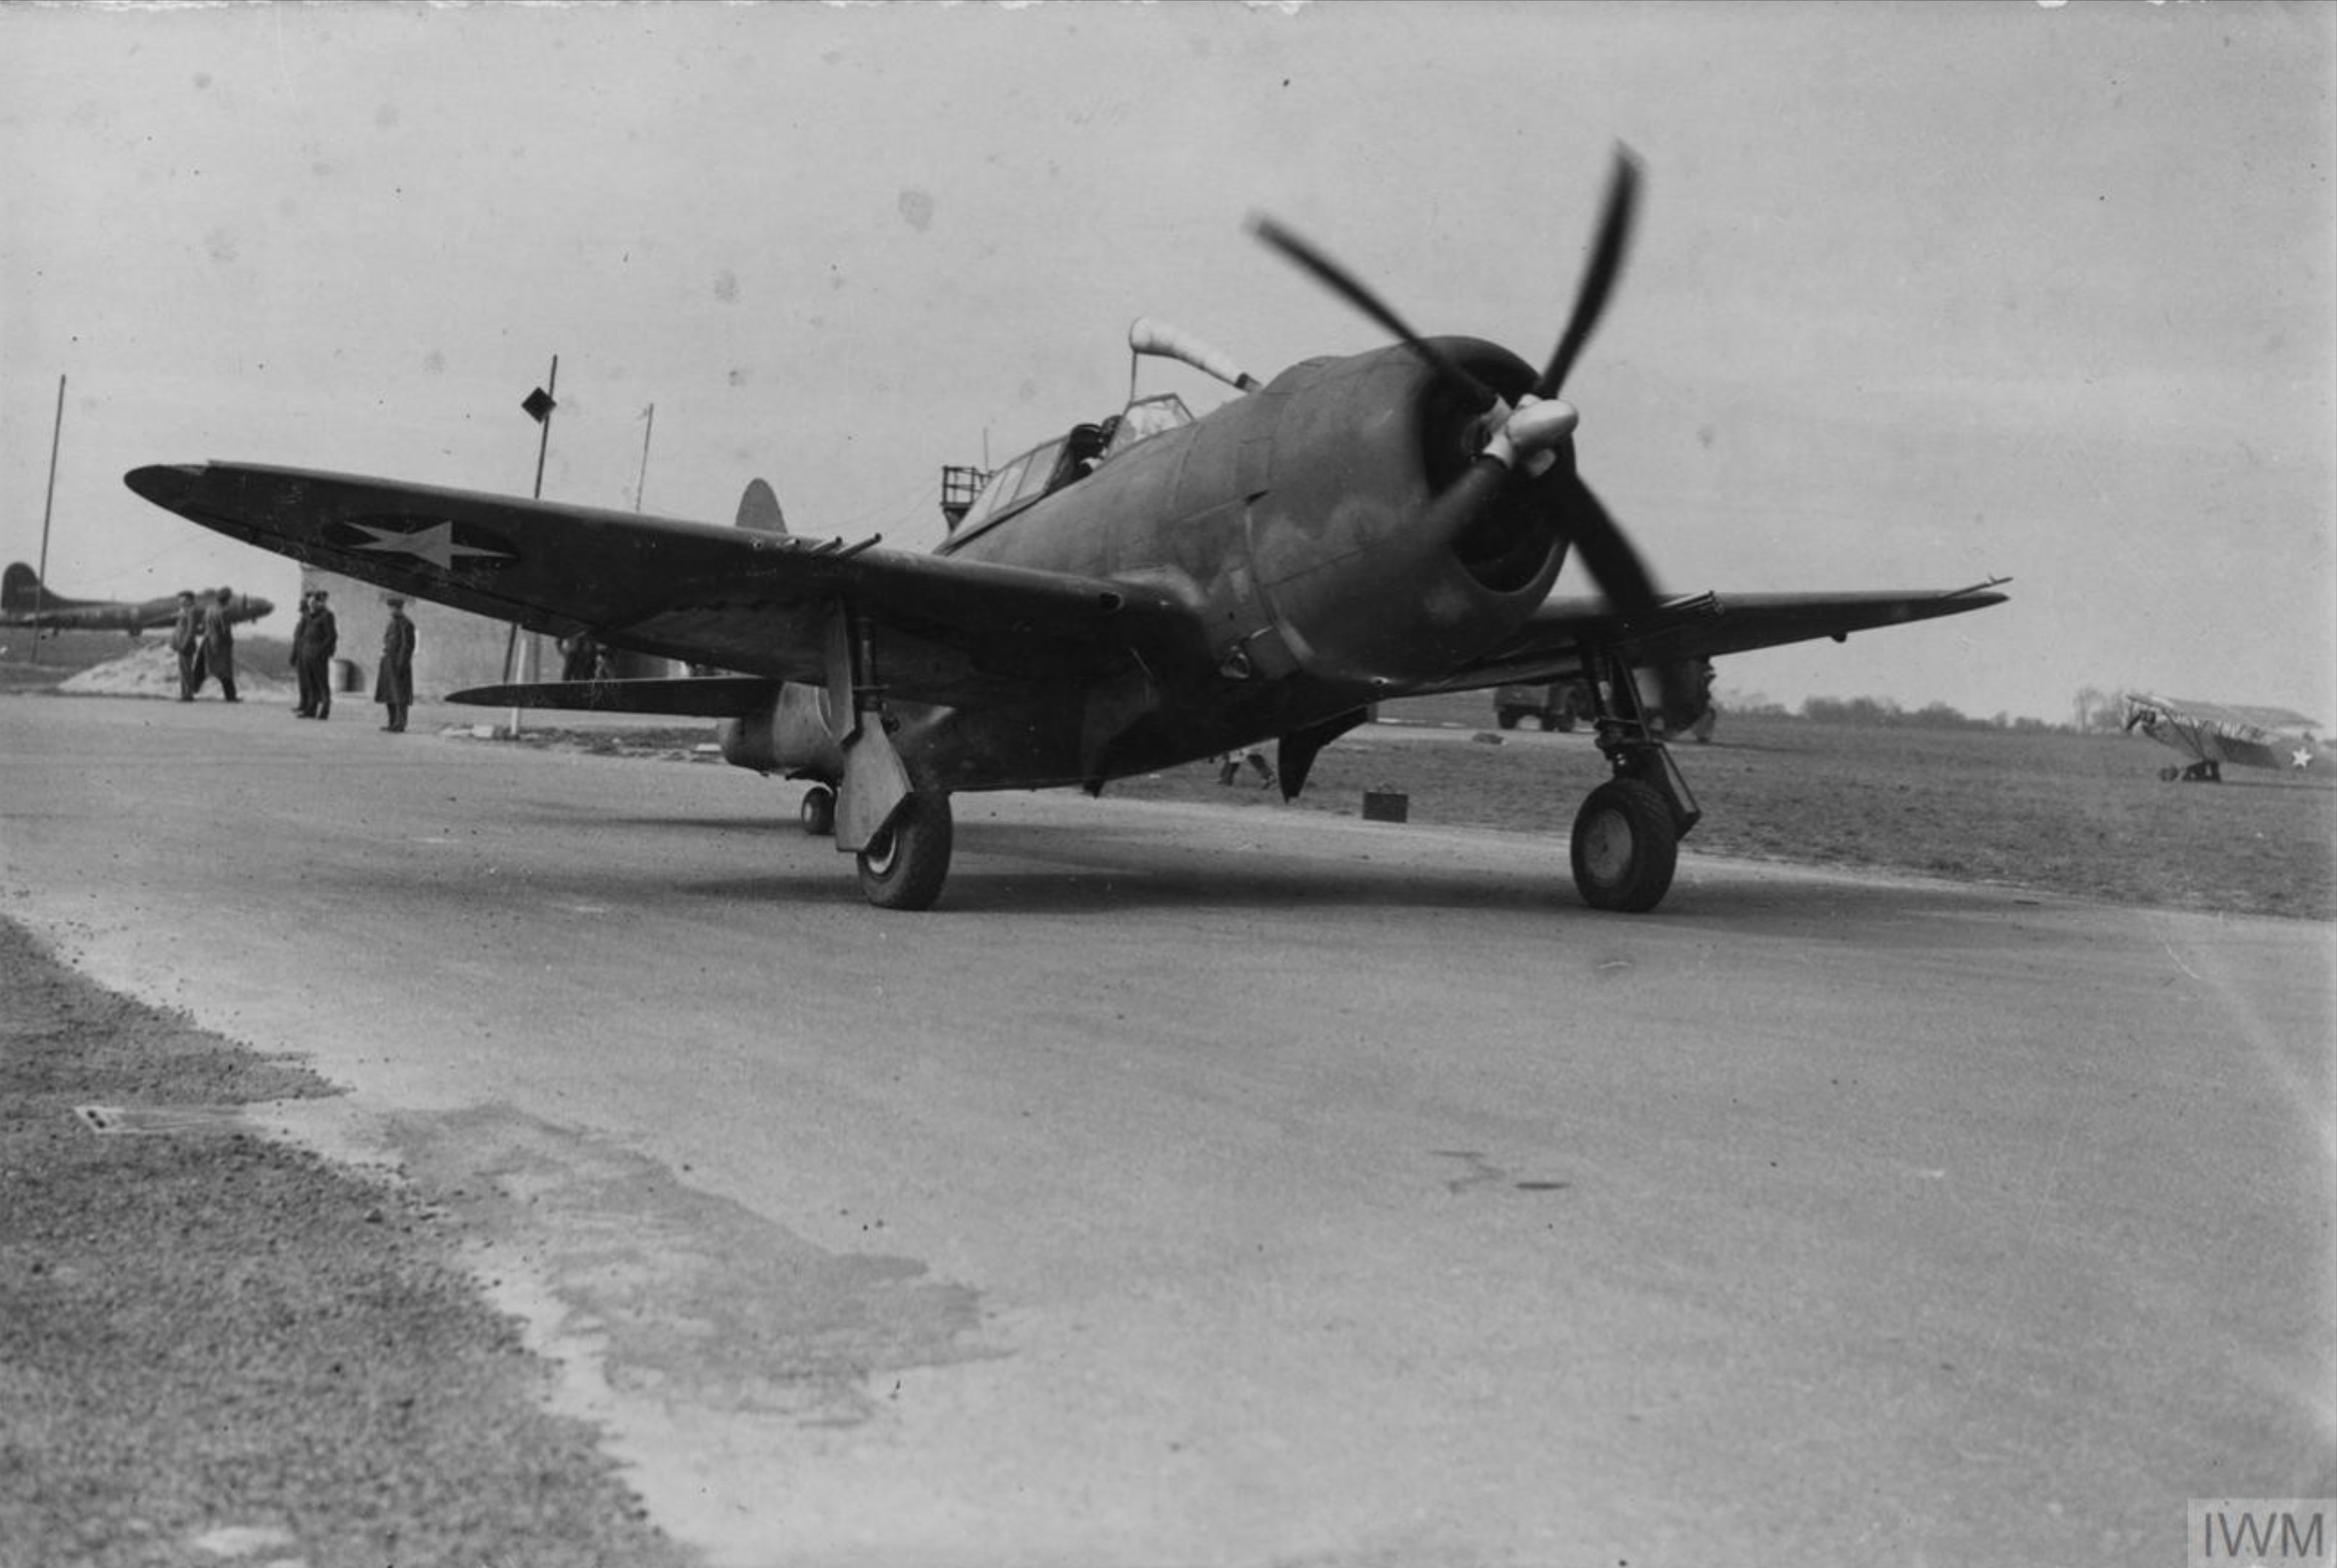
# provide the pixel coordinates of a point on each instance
(538, 405)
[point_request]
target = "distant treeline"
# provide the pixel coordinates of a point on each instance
(1881, 712)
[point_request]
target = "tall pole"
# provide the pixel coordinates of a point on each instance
(640, 489)
(544, 442)
(40, 585)
(538, 405)
(543, 446)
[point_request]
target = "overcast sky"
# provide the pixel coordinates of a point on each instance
(1922, 293)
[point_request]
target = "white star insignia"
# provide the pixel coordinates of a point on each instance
(435, 544)
(2301, 757)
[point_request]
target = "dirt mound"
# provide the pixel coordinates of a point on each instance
(152, 670)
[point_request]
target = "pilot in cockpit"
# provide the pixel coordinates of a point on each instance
(1084, 450)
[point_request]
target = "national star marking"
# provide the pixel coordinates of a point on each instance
(434, 545)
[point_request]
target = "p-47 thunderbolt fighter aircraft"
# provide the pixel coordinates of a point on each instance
(1133, 594)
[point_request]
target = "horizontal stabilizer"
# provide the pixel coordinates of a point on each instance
(701, 696)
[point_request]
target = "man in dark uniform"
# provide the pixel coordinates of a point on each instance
(307, 703)
(580, 658)
(187, 642)
(393, 687)
(219, 643)
(324, 639)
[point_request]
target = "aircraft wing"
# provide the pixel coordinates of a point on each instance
(963, 633)
(1553, 644)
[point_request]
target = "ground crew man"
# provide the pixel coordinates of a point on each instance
(300, 658)
(393, 687)
(187, 642)
(316, 656)
(219, 643)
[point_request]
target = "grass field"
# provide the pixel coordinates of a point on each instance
(2082, 814)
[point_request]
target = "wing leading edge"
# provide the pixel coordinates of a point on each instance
(958, 632)
(1556, 641)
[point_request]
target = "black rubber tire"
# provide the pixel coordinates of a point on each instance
(818, 812)
(903, 867)
(1506, 718)
(1626, 848)
(1563, 723)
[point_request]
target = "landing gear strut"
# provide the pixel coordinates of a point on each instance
(899, 834)
(1627, 835)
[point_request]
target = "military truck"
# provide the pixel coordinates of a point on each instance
(1562, 705)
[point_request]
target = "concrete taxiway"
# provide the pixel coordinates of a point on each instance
(1260, 1187)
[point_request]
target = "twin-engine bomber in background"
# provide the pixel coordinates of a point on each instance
(1134, 594)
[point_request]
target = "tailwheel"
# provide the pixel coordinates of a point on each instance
(1626, 847)
(818, 811)
(904, 865)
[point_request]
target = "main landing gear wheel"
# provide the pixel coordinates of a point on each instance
(903, 866)
(1626, 847)
(818, 811)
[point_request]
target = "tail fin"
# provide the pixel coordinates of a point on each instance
(19, 585)
(758, 509)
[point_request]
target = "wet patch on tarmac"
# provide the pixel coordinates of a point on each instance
(682, 1296)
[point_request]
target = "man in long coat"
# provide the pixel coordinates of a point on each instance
(218, 642)
(316, 650)
(187, 642)
(393, 687)
(307, 703)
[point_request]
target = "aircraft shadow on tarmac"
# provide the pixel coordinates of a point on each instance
(1067, 872)
(1133, 865)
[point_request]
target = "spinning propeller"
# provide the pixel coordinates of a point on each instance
(1536, 433)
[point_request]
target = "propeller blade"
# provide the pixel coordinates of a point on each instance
(1604, 550)
(1606, 264)
(1344, 284)
(1620, 573)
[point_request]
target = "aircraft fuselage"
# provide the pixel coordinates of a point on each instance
(1300, 523)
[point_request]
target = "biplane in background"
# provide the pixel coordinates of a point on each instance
(1143, 591)
(24, 602)
(2212, 734)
